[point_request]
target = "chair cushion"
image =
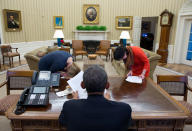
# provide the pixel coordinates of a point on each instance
(7, 101)
(189, 107)
(10, 54)
(80, 52)
(103, 52)
(40, 54)
(52, 48)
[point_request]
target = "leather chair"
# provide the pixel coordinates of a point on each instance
(16, 80)
(104, 48)
(78, 48)
(6, 51)
(177, 85)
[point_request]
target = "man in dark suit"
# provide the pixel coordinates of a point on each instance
(96, 113)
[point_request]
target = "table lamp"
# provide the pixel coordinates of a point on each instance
(124, 36)
(58, 34)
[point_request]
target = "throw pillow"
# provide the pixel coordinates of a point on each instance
(40, 53)
(52, 48)
(147, 54)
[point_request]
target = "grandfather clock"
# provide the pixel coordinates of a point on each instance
(165, 23)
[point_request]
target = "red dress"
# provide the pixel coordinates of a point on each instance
(140, 62)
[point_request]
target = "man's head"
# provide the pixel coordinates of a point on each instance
(95, 79)
(120, 53)
(11, 17)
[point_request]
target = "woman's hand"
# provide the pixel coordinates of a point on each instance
(75, 95)
(129, 73)
(142, 76)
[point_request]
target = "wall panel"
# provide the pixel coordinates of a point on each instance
(37, 16)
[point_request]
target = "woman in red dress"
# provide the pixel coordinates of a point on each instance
(134, 59)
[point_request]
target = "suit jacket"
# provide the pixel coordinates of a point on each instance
(95, 114)
(12, 24)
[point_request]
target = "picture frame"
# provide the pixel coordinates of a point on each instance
(91, 14)
(58, 22)
(124, 22)
(12, 20)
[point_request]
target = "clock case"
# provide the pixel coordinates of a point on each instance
(170, 18)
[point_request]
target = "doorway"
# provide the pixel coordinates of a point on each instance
(187, 46)
(148, 32)
(1, 41)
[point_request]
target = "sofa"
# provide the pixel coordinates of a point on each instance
(33, 57)
(153, 60)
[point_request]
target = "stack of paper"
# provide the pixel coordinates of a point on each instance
(134, 79)
(75, 84)
(65, 92)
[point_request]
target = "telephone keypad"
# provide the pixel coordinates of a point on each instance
(37, 99)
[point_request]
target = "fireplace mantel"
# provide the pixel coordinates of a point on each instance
(91, 35)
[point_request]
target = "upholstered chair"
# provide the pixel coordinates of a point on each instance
(104, 48)
(177, 85)
(6, 51)
(78, 48)
(16, 80)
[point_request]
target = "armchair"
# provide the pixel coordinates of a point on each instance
(77, 46)
(16, 80)
(177, 85)
(6, 51)
(104, 48)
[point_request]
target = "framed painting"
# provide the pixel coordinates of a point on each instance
(12, 20)
(91, 14)
(58, 22)
(124, 22)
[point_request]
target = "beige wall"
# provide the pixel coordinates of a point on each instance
(37, 16)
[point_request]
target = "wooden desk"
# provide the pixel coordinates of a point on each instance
(153, 109)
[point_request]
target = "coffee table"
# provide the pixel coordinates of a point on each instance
(89, 62)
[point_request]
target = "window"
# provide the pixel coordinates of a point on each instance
(189, 51)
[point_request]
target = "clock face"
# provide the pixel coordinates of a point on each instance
(165, 19)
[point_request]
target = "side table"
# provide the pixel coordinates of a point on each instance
(67, 49)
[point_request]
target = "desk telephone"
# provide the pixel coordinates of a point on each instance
(46, 78)
(38, 93)
(33, 96)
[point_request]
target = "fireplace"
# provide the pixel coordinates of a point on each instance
(91, 39)
(91, 46)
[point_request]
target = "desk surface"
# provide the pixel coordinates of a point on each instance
(148, 101)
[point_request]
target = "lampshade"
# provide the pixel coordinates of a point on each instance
(58, 34)
(125, 35)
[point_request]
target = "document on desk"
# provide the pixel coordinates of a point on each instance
(75, 84)
(65, 92)
(134, 79)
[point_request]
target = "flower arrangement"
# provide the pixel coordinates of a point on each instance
(98, 28)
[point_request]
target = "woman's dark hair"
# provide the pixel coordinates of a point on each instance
(119, 52)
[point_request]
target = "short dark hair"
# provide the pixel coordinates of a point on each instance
(119, 52)
(95, 79)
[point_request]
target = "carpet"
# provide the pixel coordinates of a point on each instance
(5, 123)
(108, 68)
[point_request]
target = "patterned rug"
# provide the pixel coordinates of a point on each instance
(108, 68)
